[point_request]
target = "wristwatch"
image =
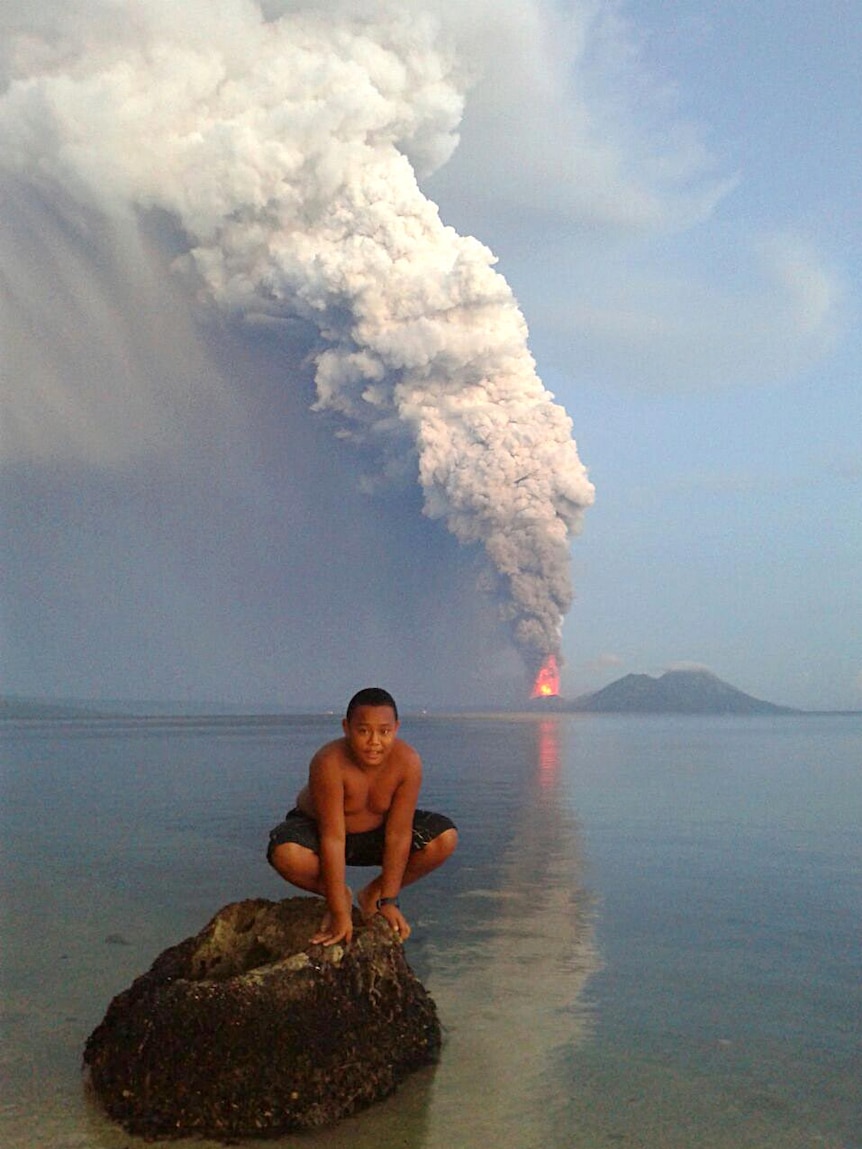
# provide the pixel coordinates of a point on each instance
(381, 902)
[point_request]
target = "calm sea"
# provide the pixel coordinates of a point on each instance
(650, 935)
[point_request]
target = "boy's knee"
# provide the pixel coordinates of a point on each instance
(446, 843)
(277, 856)
(289, 858)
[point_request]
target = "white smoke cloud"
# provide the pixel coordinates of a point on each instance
(286, 145)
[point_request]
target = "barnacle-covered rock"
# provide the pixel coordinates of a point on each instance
(248, 1030)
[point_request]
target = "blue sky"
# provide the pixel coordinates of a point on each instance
(711, 362)
(672, 192)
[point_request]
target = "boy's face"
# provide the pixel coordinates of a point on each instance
(370, 732)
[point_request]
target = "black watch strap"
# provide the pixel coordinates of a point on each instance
(381, 902)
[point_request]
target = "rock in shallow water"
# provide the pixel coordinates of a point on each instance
(248, 1030)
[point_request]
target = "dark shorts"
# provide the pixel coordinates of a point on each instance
(365, 849)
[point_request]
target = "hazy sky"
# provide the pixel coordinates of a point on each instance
(671, 191)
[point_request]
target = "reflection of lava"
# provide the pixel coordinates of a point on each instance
(549, 751)
(547, 684)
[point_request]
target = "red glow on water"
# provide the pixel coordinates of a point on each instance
(549, 751)
(547, 684)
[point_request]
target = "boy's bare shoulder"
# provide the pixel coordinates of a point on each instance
(406, 756)
(334, 753)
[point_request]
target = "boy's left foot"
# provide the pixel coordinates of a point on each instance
(367, 900)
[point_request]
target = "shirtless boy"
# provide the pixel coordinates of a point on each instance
(358, 808)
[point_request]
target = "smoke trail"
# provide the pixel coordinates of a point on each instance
(287, 149)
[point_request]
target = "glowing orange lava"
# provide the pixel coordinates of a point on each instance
(547, 684)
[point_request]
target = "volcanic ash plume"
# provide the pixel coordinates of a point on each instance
(287, 151)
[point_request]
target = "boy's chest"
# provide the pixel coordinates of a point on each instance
(373, 792)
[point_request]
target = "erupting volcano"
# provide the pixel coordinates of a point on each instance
(279, 152)
(547, 684)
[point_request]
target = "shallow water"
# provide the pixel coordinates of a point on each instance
(649, 935)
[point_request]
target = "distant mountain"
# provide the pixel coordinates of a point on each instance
(675, 692)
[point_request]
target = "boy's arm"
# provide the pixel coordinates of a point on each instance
(399, 839)
(327, 792)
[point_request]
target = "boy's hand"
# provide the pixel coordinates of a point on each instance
(396, 920)
(334, 928)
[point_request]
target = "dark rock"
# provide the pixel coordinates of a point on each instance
(249, 1030)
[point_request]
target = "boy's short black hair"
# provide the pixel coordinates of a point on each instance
(371, 696)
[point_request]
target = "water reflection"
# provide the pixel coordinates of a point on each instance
(517, 1009)
(548, 752)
